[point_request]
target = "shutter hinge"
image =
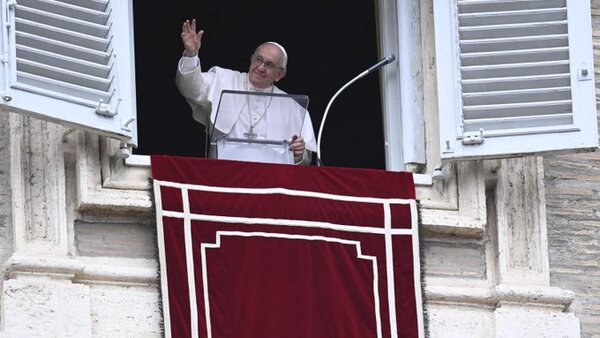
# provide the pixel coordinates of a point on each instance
(106, 109)
(124, 151)
(4, 40)
(473, 137)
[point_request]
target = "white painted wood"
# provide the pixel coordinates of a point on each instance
(390, 87)
(71, 63)
(411, 81)
(518, 74)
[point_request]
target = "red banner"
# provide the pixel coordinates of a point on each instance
(267, 250)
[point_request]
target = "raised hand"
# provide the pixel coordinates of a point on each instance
(191, 40)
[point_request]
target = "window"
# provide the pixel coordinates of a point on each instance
(514, 77)
(70, 61)
(323, 52)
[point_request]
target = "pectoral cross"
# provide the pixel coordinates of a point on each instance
(250, 134)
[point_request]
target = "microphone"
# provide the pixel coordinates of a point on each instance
(386, 60)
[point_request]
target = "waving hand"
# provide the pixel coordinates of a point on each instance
(191, 40)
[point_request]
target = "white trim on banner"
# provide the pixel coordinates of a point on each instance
(284, 191)
(387, 231)
(414, 213)
(164, 282)
(359, 255)
(389, 265)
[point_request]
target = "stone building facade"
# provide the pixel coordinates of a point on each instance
(573, 216)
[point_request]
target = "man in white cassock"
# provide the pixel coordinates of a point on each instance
(256, 117)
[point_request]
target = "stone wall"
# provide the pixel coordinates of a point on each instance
(573, 211)
(6, 233)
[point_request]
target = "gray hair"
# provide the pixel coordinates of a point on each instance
(284, 59)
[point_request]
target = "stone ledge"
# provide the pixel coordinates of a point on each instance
(126, 271)
(97, 273)
(495, 297)
(19, 264)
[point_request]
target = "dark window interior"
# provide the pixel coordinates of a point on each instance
(328, 43)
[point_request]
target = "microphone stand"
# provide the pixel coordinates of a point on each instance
(327, 112)
(383, 62)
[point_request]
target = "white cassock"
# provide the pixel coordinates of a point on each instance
(268, 117)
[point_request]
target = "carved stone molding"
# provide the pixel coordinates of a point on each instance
(38, 186)
(495, 297)
(521, 223)
(105, 183)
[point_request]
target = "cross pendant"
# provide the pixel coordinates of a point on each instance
(250, 134)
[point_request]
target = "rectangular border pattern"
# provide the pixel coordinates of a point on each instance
(187, 217)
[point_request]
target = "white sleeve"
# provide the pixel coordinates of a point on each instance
(188, 64)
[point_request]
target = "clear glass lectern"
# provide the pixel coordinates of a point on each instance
(281, 116)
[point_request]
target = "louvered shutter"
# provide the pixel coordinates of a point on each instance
(70, 61)
(514, 77)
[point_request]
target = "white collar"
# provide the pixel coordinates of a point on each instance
(250, 87)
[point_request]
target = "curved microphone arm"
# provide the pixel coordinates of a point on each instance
(329, 105)
(386, 60)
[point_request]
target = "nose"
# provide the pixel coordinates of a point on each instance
(261, 65)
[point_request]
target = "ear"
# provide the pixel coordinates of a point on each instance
(280, 75)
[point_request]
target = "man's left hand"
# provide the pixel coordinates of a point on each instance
(298, 146)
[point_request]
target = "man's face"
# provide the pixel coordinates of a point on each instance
(265, 66)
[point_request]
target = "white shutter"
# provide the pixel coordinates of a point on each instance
(70, 61)
(514, 77)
